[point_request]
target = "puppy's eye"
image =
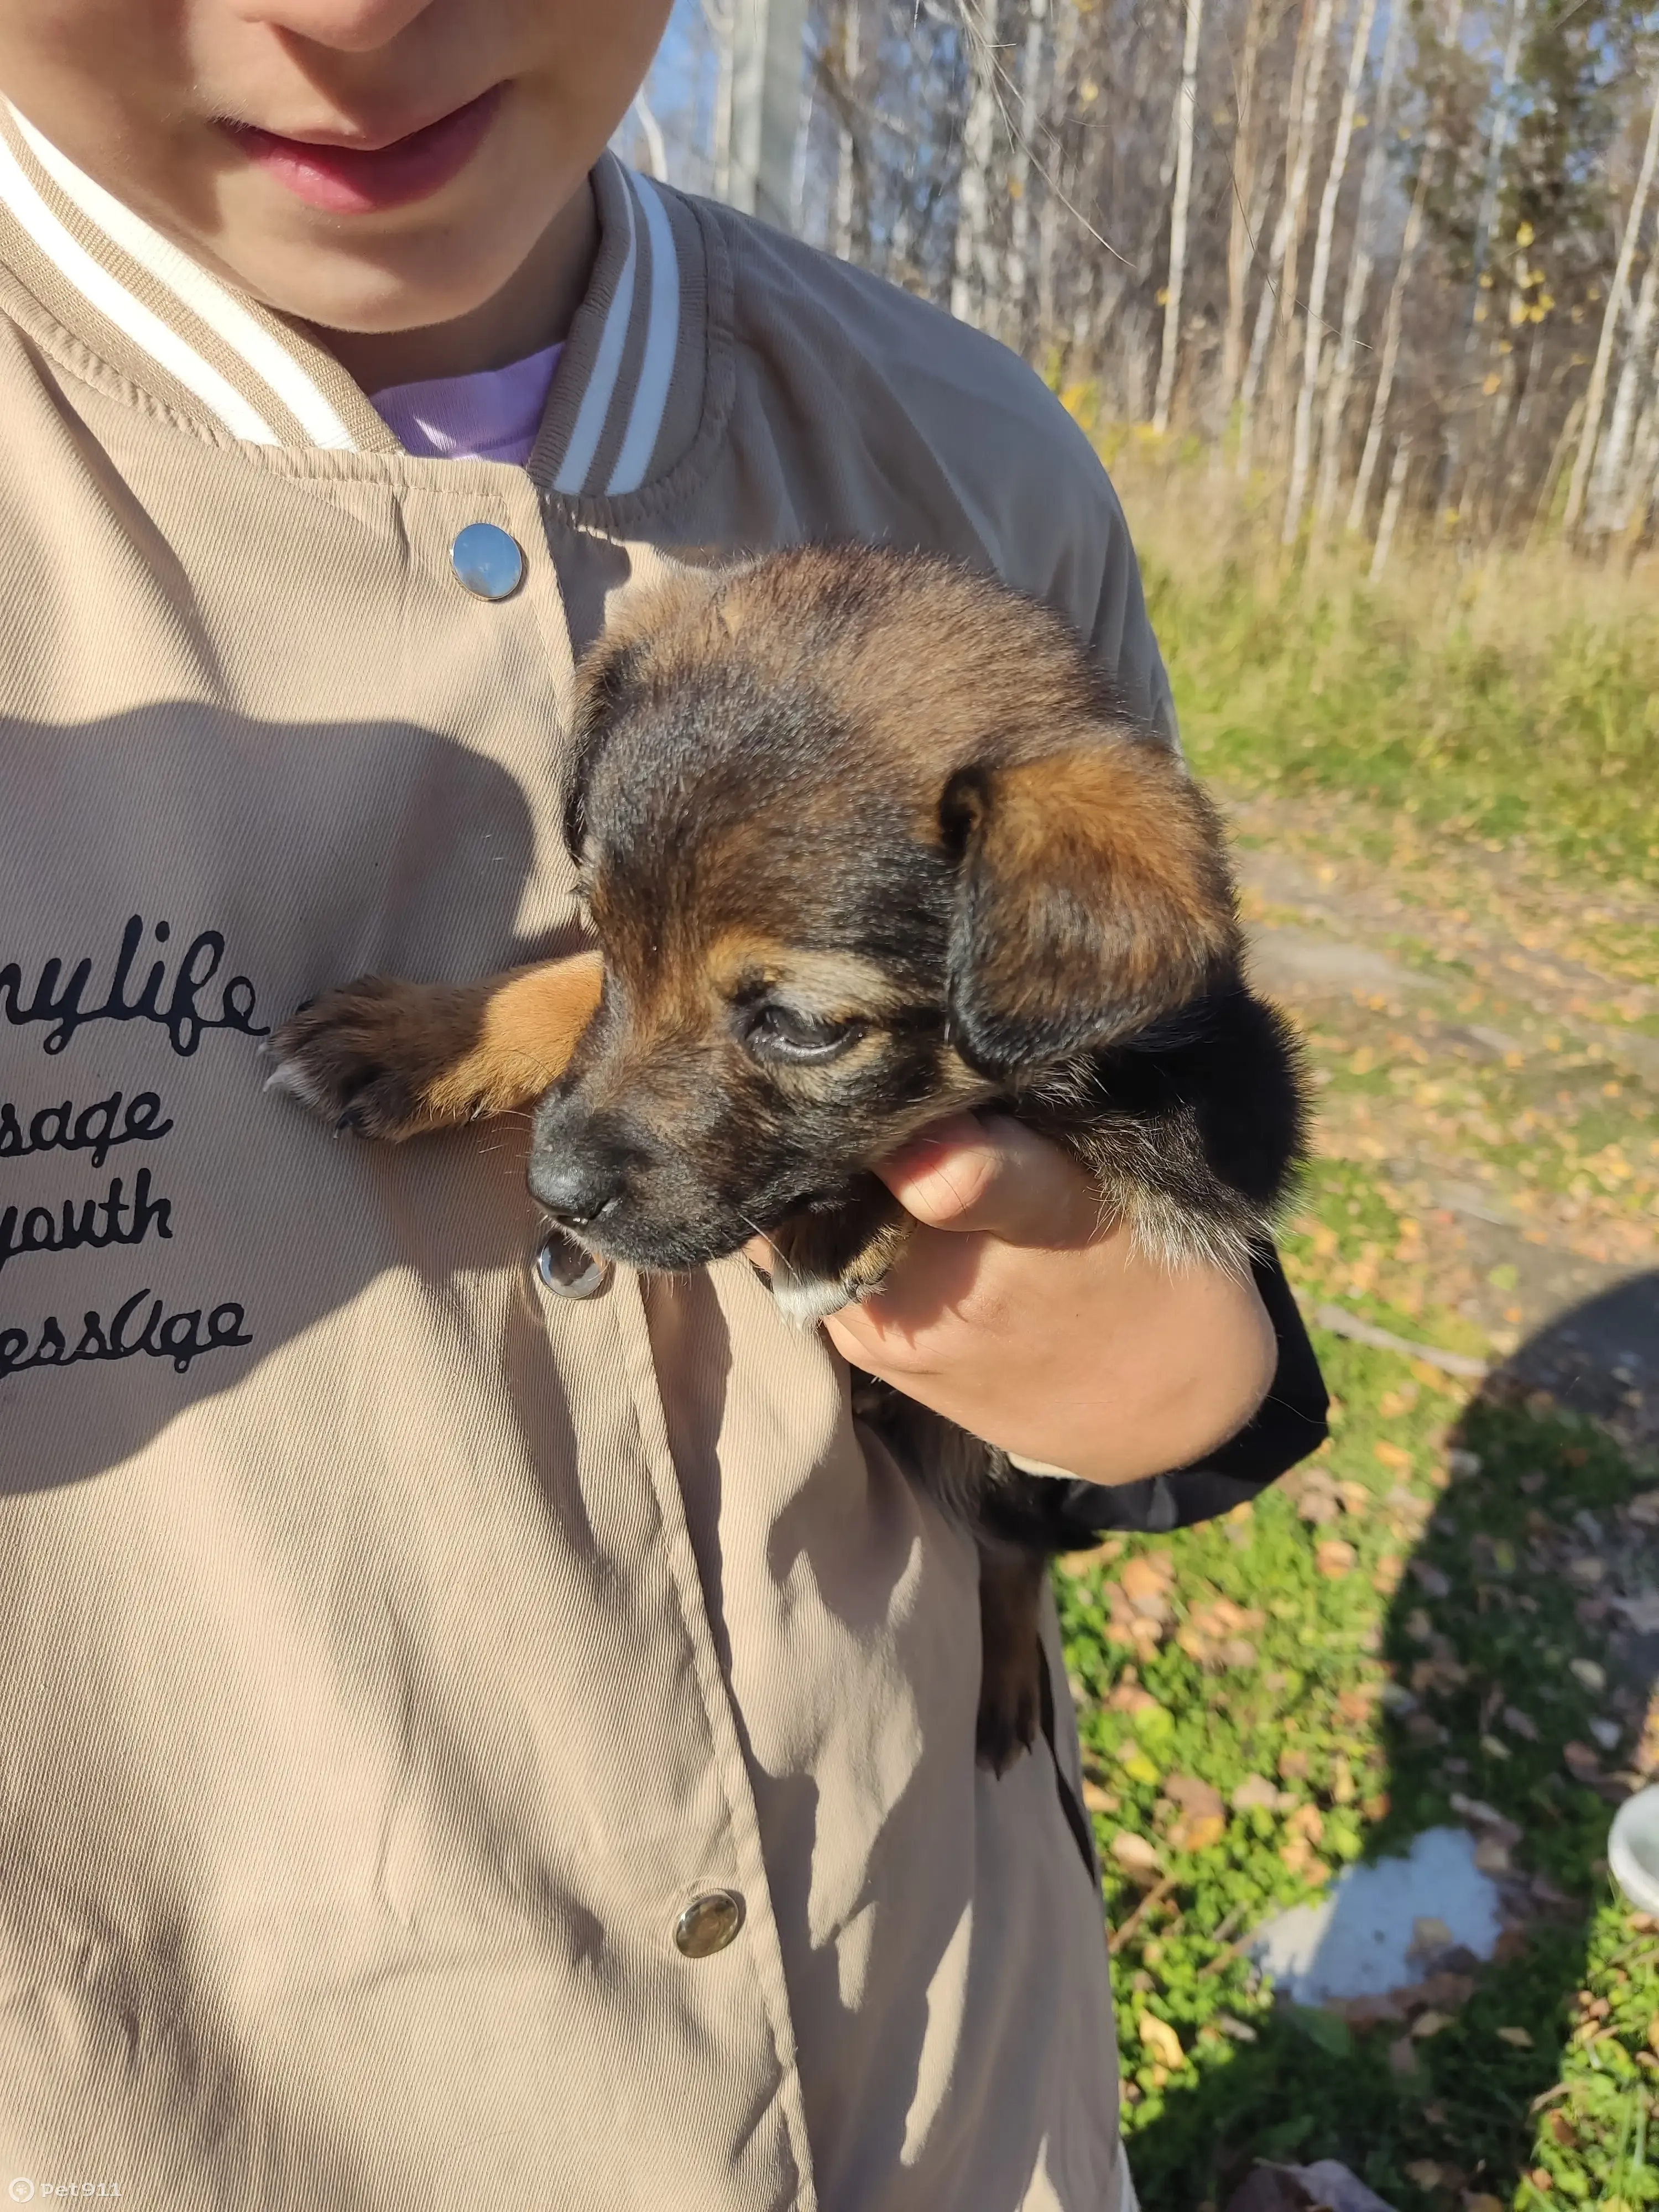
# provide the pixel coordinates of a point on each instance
(776, 1032)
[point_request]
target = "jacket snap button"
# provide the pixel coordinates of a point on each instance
(709, 1923)
(566, 1270)
(487, 561)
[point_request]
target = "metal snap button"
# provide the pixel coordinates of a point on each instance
(566, 1269)
(487, 561)
(709, 1923)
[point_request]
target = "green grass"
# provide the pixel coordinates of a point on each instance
(1516, 699)
(1555, 740)
(1415, 1619)
(1306, 1709)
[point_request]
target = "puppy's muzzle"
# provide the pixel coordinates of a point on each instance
(579, 1169)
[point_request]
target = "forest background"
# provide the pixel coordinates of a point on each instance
(1359, 300)
(1398, 251)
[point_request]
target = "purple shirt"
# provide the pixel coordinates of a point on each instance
(491, 415)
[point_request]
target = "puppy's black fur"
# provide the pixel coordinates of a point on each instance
(864, 841)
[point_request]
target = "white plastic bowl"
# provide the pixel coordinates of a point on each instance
(1633, 1850)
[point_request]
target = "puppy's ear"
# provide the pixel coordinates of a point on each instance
(606, 675)
(1093, 895)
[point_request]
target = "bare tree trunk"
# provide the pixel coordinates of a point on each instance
(656, 153)
(1515, 479)
(1632, 506)
(1020, 182)
(1615, 307)
(1646, 482)
(1391, 499)
(1186, 103)
(1244, 219)
(1486, 225)
(1313, 344)
(767, 48)
(1608, 491)
(1360, 265)
(722, 28)
(1058, 185)
(1368, 458)
(1306, 79)
(1552, 474)
(974, 283)
(1313, 93)
(846, 151)
(1433, 142)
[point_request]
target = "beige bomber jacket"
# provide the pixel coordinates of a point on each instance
(391, 1651)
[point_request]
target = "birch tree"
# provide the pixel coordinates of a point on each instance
(846, 151)
(1299, 160)
(1186, 105)
(1610, 321)
(1314, 338)
(1021, 170)
(1058, 184)
(974, 274)
(1486, 222)
(1391, 500)
(656, 149)
(1361, 261)
(1609, 493)
(1248, 207)
(1641, 485)
(1433, 142)
(1048, 171)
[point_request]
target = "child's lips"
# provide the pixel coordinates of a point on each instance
(358, 180)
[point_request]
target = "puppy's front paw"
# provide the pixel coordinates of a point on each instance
(822, 1262)
(370, 1055)
(1009, 1703)
(1012, 1580)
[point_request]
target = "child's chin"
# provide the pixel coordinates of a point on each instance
(375, 274)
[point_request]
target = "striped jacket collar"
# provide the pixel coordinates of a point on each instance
(120, 304)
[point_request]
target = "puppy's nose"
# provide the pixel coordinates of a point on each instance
(575, 1190)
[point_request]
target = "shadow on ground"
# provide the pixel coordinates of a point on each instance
(1522, 1642)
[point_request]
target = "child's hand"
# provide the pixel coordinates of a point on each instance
(1017, 1314)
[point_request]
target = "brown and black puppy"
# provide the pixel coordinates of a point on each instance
(863, 840)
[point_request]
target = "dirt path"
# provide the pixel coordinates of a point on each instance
(1486, 1046)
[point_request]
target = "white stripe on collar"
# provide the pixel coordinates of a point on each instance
(203, 294)
(589, 426)
(662, 339)
(649, 296)
(117, 305)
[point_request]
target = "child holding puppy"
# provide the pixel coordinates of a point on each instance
(465, 1735)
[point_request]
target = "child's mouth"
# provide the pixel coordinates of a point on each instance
(358, 180)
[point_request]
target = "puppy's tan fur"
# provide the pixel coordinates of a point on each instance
(872, 801)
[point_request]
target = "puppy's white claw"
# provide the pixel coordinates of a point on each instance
(288, 1076)
(806, 1300)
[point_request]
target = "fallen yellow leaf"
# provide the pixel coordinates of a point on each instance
(1133, 1852)
(1148, 1576)
(1430, 2023)
(1161, 2039)
(1517, 2036)
(1198, 1832)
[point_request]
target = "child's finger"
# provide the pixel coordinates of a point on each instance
(995, 1176)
